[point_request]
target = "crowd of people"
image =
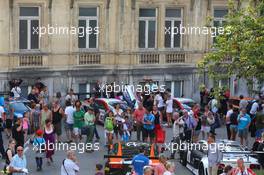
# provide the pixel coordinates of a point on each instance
(44, 124)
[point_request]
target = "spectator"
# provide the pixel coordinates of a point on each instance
(18, 165)
(190, 124)
(211, 122)
(138, 118)
(243, 125)
(78, 117)
(159, 102)
(39, 144)
(169, 169)
(35, 117)
(139, 161)
(89, 119)
(44, 115)
(99, 169)
(169, 109)
(18, 133)
(97, 114)
(109, 127)
(148, 126)
(227, 170)
(214, 155)
(243, 103)
(26, 126)
(49, 139)
(70, 164)
(16, 91)
(33, 96)
(197, 129)
(260, 121)
(127, 128)
(160, 168)
(2, 149)
(148, 170)
(118, 113)
(10, 152)
(57, 115)
(71, 97)
(69, 110)
(228, 122)
(233, 124)
(241, 169)
(178, 132)
(205, 129)
(157, 121)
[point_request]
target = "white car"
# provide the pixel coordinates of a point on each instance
(196, 160)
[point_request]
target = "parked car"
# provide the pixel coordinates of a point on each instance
(196, 160)
(105, 104)
(20, 106)
(183, 104)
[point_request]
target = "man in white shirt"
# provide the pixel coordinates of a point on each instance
(16, 91)
(254, 108)
(159, 102)
(228, 122)
(71, 97)
(69, 165)
(69, 110)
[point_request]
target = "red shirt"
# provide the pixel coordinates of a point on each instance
(139, 115)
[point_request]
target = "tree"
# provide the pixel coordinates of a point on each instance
(239, 50)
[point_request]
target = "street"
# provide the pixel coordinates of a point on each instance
(87, 161)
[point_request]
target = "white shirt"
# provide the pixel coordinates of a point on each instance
(69, 110)
(1, 111)
(169, 103)
(167, 173)
(228, 114)
(70, 166)
(158, 99)
(254, 108)
(16, 91)
(178, 127)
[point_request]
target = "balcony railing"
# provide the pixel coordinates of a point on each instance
(89, 58)
(175, 58)
(30, 60)
(148, 58)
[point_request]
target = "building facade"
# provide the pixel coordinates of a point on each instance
(125, 41)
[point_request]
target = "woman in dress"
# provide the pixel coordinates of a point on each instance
(10, 152)
(44, 115)
(49, 139)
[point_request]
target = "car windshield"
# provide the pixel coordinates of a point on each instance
(233, 148)
(19, 107)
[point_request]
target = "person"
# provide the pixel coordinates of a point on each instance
(109, 126)
(157, 120)
(39, 144)
(70, 164)
(227, 170)
(197, 129)
(160, 168)
(99, 169)
(178, 132)
(33, 96)
(26, 126)
(35, 116)
(49, 139)
(44, 115)
(78, 117)
(260, 121)
(211, 122)
(205, 128)
(126, 129)
(243, 125)
(18, 165)
(233, 124)
(169, 169)
(17, 132)
(97, 115)
(57, 115)
(16, 91)
(159, 102)
(10, 152)
(227, 120)
(214, 155)
(190, 124)
(71, 97)
(169, 109)
(243, 103)
(138, 118)
(148, 170)
(213, 105)
(9, 117)
(118, 113)
(2, 149)
(241, 169)
(148, 126)
(89, 119)
(129, 114)
(139, 161)
(69, 110)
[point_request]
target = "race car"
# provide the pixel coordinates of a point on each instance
(120, 155)
(196, 160)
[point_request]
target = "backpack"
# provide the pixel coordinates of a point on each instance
(109, 124)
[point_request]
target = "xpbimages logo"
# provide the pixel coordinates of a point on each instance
(62, 30)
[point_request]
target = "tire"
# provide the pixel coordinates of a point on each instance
(201, 170)
(183, 158)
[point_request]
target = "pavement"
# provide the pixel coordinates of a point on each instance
(87, 161)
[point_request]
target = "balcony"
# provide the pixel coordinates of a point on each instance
(89, 58)
(148, 58)
(30, 60)
(171, 58)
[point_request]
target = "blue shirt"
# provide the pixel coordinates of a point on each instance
(39, 144)
(138, 162)
(151, 118)
(18, 162)
(190, 122)
(243, 121)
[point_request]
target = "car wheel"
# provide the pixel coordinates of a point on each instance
(201, 170)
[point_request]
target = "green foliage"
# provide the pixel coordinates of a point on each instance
(242, 43)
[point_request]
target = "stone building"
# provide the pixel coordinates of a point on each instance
(126, 41)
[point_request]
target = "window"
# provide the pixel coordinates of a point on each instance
(172, 28)
(147, 28)
(178, 88)
(219, 17)
(88, 28)
(28, 27)
(84, 91)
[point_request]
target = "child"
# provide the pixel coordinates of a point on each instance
(109, 127)
(126, 128)
(39, 145)
(99, 168)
